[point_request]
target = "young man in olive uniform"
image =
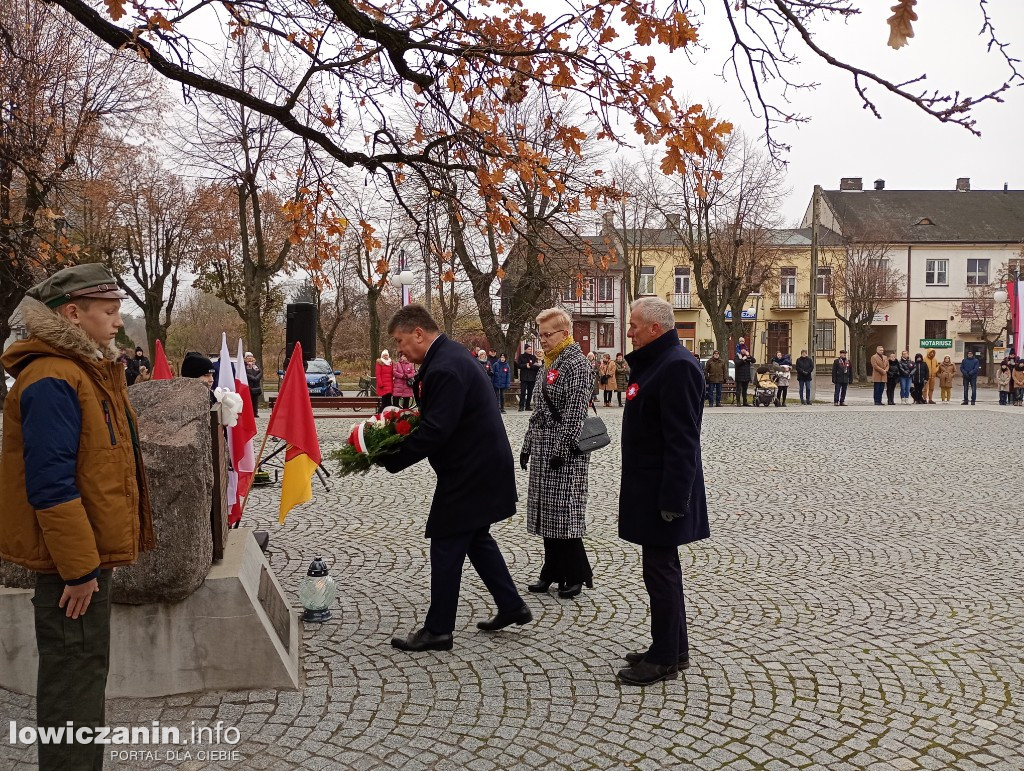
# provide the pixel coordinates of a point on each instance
(74, 492)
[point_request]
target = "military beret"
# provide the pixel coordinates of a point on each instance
(93, 280)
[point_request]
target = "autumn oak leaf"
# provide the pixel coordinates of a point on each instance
(115, 8)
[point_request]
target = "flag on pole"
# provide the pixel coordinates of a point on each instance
(1015, 295)
(243, 456)
(226, 380)
(161, 369)
(292, 421)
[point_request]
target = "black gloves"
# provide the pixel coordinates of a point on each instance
(524, 460)
(668, 516)
(556, 462)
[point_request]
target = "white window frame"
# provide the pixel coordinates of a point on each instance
(646, 280)
(824, 277)
(933, 269)
(976, 274)
(605, 289)
(681, 280)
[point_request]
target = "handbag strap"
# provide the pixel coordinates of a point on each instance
(551, 405)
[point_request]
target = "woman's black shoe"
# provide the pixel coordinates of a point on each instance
(567, 592)
(540, 587)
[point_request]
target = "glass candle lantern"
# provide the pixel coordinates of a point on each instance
(317, 592)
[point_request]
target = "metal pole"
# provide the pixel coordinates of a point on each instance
(812, 305)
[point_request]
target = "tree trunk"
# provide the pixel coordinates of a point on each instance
(858, 336)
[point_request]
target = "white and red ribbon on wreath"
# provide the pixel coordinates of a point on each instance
(357, 437)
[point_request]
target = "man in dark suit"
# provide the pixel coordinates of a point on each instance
(463, 437)
(662, 501)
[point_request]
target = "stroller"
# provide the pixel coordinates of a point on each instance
(765, 390)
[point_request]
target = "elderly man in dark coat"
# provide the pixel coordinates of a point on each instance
(662, 501)
(462, 436)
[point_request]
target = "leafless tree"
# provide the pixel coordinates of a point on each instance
(863, 281)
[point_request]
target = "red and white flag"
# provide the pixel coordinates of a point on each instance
(243, 455)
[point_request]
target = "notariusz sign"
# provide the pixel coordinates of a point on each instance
(926, 343)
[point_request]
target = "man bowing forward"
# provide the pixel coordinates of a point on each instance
(462, 436)
(662, 501)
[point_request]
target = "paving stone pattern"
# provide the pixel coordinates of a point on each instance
(859, 606)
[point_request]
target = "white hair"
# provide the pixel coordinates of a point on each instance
(558, 315)
(654, 310)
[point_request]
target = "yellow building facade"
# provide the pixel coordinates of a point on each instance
(775, 320)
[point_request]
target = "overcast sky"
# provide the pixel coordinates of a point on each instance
(907, 148)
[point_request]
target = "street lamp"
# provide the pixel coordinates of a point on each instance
(403, 278)
(1016, 325)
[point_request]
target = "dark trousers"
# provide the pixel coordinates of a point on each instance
(525, 393)
(663, 578)
(840, 395)
(447, 557)
(890, 391)
(805, 391)
(255, 399)
(618, 397)
(386, 400)
(714, 394)
(607, 398)
(499, 394)
(741, 390)
(566, 562)
(917, 392)
(879, 390)
(971, 382)
(782, 395)
(74, 657)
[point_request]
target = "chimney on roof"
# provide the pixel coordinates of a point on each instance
(963, 184)
(851, 183)
(879, 184)
(607, 222)
(672, 221)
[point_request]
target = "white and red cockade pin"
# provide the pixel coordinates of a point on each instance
(632, 391)
(552, 376)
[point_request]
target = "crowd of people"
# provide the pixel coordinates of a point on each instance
(915, 378)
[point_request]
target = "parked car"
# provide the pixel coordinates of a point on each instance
(322, 378)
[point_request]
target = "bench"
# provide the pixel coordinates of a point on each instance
(348, 404)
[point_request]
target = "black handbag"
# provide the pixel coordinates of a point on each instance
(593, 434)
(410, 381)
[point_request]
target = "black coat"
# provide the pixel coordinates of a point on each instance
(661, 463)
(744, 366)
(462, 436)
(842, 371)
(528, 367)
(804, 369)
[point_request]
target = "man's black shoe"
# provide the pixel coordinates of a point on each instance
(520, 616)
(638, 656)
(647, 674)
(423, 640)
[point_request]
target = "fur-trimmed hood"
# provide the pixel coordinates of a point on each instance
(51, 334)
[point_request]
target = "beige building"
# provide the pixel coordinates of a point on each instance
(776, 319)
(952, 246)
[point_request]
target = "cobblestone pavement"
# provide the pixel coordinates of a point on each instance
(858, 606)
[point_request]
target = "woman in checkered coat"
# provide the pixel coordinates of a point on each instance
(557, 499)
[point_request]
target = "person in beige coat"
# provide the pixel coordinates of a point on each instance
(879, 373)
(606, 378)
(933, 373)
(946, 372)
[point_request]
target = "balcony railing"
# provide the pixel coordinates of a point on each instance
(685, 302)
(791, 301)
(585, 307)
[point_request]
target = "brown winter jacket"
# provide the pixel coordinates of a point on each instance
(933, 363)
(75, 499)
(879, 368)
(946, 374)
(715, 370)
